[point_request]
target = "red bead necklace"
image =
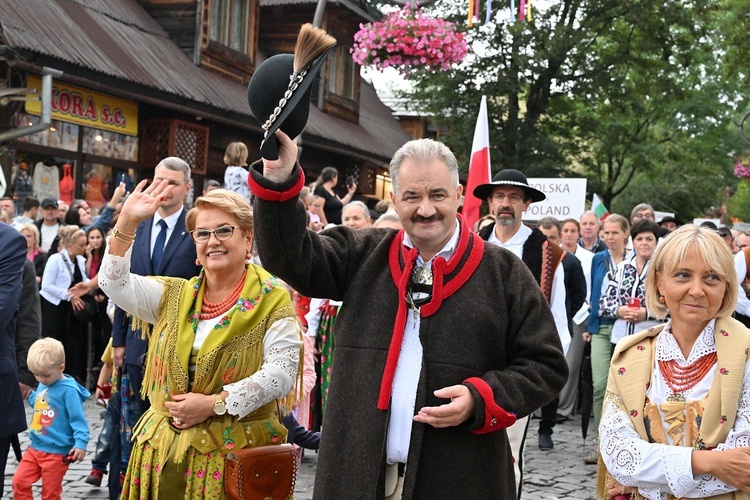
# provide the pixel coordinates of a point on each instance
(681, 378)
(210, 310)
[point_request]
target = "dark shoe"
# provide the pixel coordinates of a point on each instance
(95, 478)
(561, 418)
(592, 458)
(545, 442)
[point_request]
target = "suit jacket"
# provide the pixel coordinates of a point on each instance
(178, 261)
(12, 257)
(29, 325)
(575, 287)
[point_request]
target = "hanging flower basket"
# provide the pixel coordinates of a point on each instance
(409, 38)
(742, 167)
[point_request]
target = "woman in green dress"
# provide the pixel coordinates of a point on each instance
(224, 348)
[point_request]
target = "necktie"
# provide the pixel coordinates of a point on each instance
(161, 240)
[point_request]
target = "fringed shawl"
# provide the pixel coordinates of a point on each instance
(232, 351)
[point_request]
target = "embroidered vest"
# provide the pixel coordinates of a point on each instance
(630, 375)
(540, 257)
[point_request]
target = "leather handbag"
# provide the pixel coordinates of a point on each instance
(260, 473)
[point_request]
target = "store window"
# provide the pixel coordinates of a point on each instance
(230, 20)
(50, 164)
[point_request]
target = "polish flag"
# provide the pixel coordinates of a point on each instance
(479, 166)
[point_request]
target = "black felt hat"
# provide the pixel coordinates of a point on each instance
(279, 91)
(509, 177)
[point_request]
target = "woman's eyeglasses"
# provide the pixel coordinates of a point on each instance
(222, 233)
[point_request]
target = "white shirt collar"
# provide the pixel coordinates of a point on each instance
(668, 349)
(446, 252)
(515, 244)
(171, 220)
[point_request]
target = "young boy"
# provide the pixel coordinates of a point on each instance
(58, 431)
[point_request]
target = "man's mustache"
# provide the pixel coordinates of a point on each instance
(433, 218)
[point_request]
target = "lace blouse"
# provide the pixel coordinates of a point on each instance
(140, 296)
(658, 469)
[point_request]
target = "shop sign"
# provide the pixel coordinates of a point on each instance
(86, 107)
(566, 198)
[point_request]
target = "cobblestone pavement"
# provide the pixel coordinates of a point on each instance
(550, 475)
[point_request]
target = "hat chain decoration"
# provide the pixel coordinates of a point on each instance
(311, 43)
(294, 81)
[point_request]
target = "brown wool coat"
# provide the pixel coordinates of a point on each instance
(497, 326)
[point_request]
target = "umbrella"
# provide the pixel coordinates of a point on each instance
(586, 390)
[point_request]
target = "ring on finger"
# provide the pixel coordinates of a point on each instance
(177, 421)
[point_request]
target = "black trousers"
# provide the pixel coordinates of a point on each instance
(549, 416)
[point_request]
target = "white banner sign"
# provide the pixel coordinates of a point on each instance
(566, 199)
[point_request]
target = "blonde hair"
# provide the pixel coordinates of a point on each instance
(44, 354)
(672, 253)
(33, 230)
(620, 221)
(235, 154)
(230, 202)
(68, 234)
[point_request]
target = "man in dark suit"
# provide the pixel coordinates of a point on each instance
(12, 417)
(162, 247)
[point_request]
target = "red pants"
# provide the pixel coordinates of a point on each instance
(38, 464)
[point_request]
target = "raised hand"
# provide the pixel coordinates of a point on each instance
(142, 204)
(279, 170)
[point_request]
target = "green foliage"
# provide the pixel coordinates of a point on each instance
(633, 95)
(739, 204)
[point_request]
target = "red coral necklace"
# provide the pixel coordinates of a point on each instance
(682, 378)
(210, 310)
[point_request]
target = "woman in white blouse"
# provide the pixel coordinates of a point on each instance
(60, 296)
(676, 416)
(223, 349)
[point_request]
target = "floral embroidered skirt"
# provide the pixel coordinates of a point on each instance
(202, 475)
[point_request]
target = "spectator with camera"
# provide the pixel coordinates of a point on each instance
(323, 187)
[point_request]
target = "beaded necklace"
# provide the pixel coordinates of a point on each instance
(210, 310)
(682, 378)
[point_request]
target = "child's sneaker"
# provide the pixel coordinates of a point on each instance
(95, 478)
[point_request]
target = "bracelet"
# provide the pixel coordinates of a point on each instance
(123, 236)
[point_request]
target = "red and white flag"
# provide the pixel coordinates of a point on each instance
(479, 166)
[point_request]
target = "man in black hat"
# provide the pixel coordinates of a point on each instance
(509, 196)
(49, 224)
(670, 223)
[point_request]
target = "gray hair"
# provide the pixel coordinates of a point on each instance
(549, 222)
(360, 205)
(424, 152)
(592, 214)
(390, 215)
(176, 164)
(641, 207)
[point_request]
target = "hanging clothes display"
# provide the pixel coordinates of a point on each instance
(21, 185)
(46, 178)
(66, 185)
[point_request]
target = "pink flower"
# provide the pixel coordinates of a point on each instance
(217, 475)
(201, 474)
(229, 445)
(621, 371)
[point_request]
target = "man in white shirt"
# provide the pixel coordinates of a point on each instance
(49, 224)
(509, 196)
